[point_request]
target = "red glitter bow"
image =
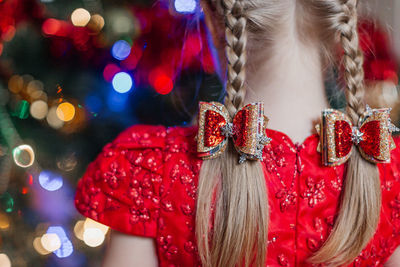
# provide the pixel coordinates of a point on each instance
(247, 129)
(372, 136)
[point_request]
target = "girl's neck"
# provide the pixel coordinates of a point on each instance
(291, 85)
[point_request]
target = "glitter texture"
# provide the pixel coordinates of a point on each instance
(372, 136)
(247, 129)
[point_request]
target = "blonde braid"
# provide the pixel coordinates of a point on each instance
(236, 40)
(359, 211)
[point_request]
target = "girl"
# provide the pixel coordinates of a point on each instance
(179, 197)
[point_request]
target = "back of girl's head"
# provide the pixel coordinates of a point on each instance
(253, 27)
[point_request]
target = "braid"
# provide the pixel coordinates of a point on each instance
(236, 40)
(352, 60)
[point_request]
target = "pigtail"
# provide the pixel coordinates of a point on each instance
(240, 222)
(359, 211)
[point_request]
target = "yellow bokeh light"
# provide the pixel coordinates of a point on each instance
(65, 111)
(37, 245)
(4, 221)
(50, 242)
(80, 17)
(15, 84)
(93, 237)
(39, 109)
(79, 229)
(53, 120)
(98, 22)
(4, 260)
(89, 223)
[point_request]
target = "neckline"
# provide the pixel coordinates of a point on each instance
(294, 144)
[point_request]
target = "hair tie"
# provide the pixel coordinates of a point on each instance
(246, 128)
(372, 136)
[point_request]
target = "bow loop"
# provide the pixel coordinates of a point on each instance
(372, 136)
(247, 129)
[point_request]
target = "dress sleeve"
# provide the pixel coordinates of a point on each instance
(121, 187)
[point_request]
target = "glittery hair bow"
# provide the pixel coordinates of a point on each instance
(372, 136)
(247, 129)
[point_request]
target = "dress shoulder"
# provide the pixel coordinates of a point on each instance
(121, 187)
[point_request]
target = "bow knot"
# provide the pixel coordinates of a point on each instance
(372, 136)
(246, 128)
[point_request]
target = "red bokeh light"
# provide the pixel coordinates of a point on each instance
(109, 71)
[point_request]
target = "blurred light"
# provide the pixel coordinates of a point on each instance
(89, 223)
(37, 245)
(4, 221)
(50, 242)
(22, 110)
(185, 6)
(15, 84)
(51, 26)
(4, 260)
(65, 111)
(94, 103)
(93, 237)
(163, 84)
(80, 17)
(50, 181)
(117, 102)
(96, 23)
(66, 248)
(7, 202)
(8, 33)
(67, 163)
(109, 71)
(121, 49)
(53, 120)
(33, 86)
(79, 229)
(24, 190)
(23, 156)
(1, 49)
(39, 109)
(122, 82)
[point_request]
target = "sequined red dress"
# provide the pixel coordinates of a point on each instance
(144, 183)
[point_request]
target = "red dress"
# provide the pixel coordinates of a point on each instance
(144, 183)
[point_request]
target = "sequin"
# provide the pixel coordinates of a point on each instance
(343, 141)
(371, 141)
(212, 133)
(241, 124)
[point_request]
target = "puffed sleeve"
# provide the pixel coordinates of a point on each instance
(121, 187)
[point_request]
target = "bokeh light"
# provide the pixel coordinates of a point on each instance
(65, 111)
(53, 120)
(185, 6)
(66, 248)
(50, 242)
(50, 181)
(39, 109)
(122, 82)
(15, 84)
(109, 71)
(7, 202)
(23, 156)
(79, 228)
(37, 245)
(4, 260)
(121, 49)
(93, 237)
(4, 221)
(163, 84)
(80, 17)
(89, 223)
(51, 26)
(96, 23)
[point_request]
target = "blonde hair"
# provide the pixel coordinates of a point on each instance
(232, 197)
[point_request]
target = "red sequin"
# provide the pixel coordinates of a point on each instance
(343, 142)
(240, 124)
(371, 137)
(212, 132)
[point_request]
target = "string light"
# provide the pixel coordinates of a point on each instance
(50, 181)
(4, 221)
(80, 17)
(122, 82)
(89, 223)
(185, 6)
(79, 228)
(23, 156)
(65, 111)
(121, 49)
(66, 247)
(96, 23)
(37, 245)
